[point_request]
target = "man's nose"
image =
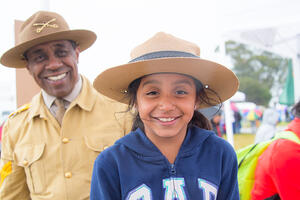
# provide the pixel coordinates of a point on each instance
(54, 63)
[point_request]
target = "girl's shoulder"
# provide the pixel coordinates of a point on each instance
(208, 139)
(111, 156)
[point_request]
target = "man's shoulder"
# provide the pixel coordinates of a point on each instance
(16, 121)
(106, 100)
(21, 110)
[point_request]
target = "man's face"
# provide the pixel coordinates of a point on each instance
(53, 65)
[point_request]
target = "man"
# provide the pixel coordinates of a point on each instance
(49, 146)
(277, 173)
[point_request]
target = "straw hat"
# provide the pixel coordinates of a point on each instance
(43, 27)
(166, 53)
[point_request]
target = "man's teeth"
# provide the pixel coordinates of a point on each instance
(166, 119)
(55, 78)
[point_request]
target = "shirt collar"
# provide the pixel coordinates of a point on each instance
(49, 99)
(86, 99)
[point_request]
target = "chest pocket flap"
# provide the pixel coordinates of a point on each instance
(99, 143)
(25, 155)
(29, 157)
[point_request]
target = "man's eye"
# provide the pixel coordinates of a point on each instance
(39, 58)
(62, 53)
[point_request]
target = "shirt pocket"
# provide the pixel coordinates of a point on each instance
(29, 157)
(96, 144)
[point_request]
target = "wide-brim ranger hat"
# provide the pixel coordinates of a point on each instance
(165, 53)
(41, 27)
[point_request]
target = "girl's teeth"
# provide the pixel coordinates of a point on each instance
(166, 119)
(55, 78)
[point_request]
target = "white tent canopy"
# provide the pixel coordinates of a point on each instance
(270, 25)
(283, 40)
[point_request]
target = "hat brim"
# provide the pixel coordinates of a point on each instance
(14, 56)
(114, 82)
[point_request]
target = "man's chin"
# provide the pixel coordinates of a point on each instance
(59, 94)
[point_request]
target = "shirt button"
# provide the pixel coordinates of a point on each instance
(65, 140)
(68, 174)
(25, 162)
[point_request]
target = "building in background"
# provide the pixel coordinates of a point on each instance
(7, 99)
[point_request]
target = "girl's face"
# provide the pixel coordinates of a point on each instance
(166, 103)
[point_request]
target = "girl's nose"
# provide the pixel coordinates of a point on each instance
(166, 103)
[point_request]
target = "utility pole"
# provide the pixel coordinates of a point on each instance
(227, 109)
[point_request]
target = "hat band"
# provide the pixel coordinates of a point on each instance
(163, 54)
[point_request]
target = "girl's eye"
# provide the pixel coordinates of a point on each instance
(152, 93)
(181, 92)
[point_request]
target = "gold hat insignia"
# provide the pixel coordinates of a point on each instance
(44, 25)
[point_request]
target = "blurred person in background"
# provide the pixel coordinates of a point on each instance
(277, 173)
(237, 121)
(267, 128)
(216, 124)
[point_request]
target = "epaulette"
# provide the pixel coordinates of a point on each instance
(21, 109)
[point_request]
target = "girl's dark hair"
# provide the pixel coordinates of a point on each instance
(198, 119)
(296, 110)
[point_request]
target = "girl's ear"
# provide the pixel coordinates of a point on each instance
(197, 105)
(135, 107)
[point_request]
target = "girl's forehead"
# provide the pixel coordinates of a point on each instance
(167, 79)
(168, 75)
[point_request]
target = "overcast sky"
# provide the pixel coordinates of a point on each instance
(122, 24)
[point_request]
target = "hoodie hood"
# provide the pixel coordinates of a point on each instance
(138, 142)
(270, 116)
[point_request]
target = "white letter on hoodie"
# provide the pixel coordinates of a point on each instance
(208, 189)
(141, 192)
(174, 188)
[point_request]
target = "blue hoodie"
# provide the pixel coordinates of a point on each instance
(134, 169)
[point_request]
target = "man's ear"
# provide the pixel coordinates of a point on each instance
(28, 69)
(77, 52)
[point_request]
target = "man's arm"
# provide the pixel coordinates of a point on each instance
(13, 179)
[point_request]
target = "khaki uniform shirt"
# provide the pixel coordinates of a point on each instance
(41, 160)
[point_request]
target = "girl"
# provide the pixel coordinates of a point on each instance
(170, 153)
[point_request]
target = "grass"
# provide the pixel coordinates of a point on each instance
(242, 140)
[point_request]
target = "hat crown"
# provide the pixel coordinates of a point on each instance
(41, 24)
(164, 53)
(164, 42)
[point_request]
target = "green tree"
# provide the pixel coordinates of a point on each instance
(261, 73)
(255, 91)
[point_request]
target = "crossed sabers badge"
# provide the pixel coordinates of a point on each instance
(44, 25)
